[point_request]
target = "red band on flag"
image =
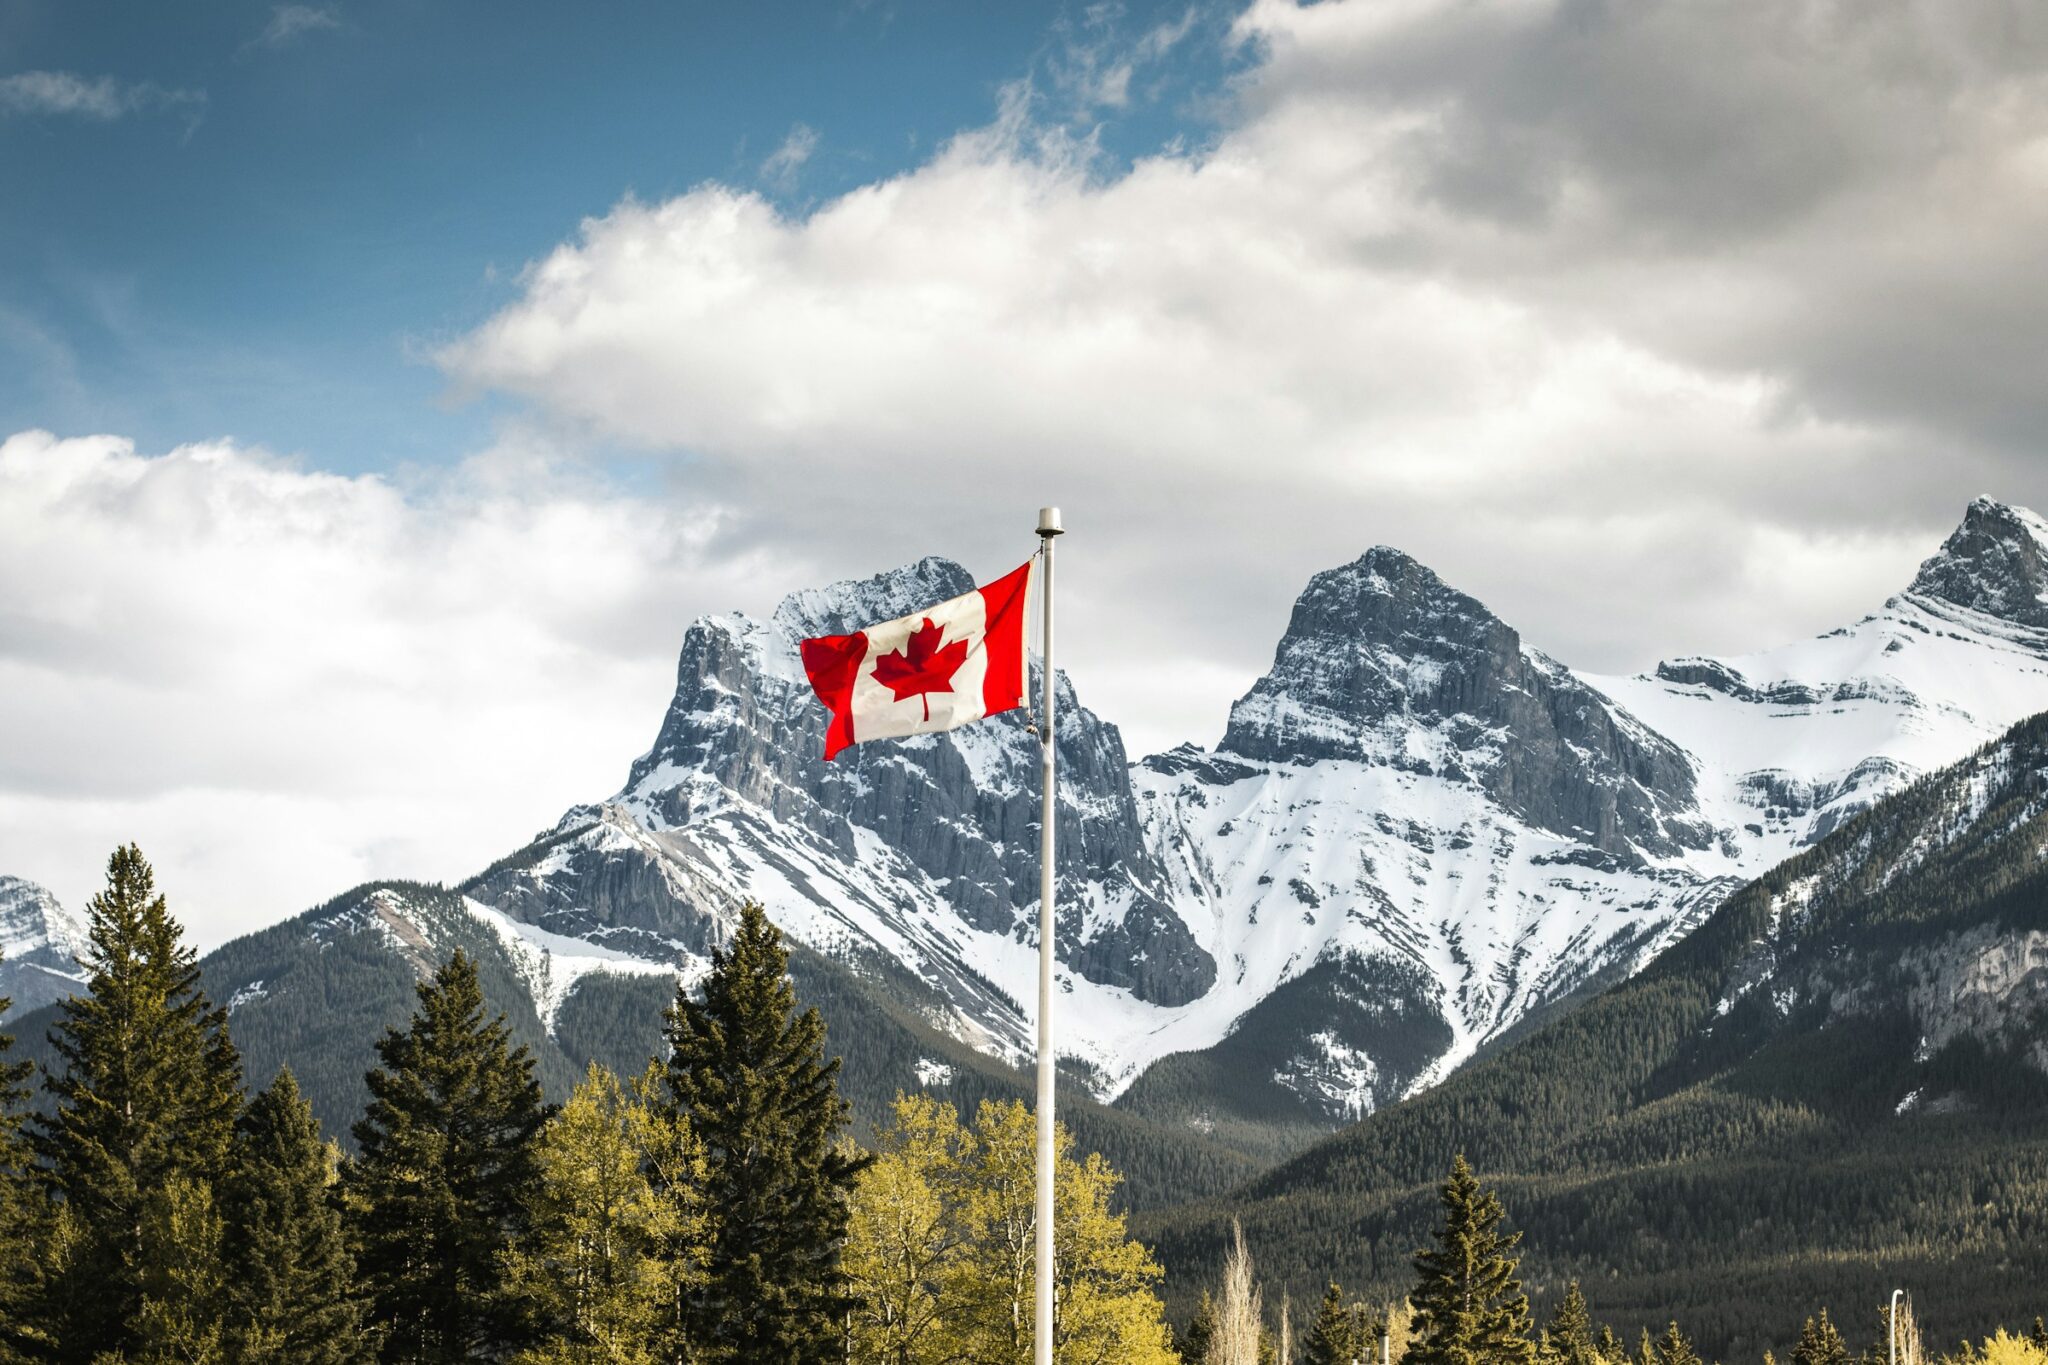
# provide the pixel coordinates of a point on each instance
(833, 662)
(1002, 689)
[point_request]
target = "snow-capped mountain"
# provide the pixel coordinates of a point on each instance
(39, 944)
(1413, 789)
(1416, 830)
(1789, 743)
(919, 852)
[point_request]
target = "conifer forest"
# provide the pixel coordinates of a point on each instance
(716, 1205)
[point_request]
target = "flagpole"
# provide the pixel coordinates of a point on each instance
(1049, 528)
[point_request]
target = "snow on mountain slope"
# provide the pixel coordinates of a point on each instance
(920, 851)
(39, 944)
(1463, 827)
(1790, 742)
(1416, 830)
(552, 965)
(1411, 786)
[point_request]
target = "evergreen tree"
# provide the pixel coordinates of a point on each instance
(182, 1278)
(1470, 1309)
(447, 1172)
(1646, 1350)
(291, 1282)
(1820, 1343)
(2039, 1334)
(1608, 1346)
(1334, 1337)
(599, 1265)
(23, 1213)
(1192, 1342)
(144, 1104)
(1674, 1349)
(1568, 1340)
(750, 1075)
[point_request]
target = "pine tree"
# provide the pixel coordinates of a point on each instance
(24, 1215)
(1334, 1337)
(2039, 1334)
(1192, 1342)
(1820, 1343)
(145, 1099)
(750, 1075)
(1646, 1350)
(599, 1266)
(1470, 1309)
(1608, 1346)
(1569, 1337)
(1674, 1349)
(447, 1172)
(291, 1281)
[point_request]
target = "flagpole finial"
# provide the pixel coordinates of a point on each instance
(1049, 522)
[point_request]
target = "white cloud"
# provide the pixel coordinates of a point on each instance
(283, 682)
(290, 22)
(99, 98)
(1241, 364)
(779, 169)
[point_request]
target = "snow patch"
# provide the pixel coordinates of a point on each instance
(551, 964)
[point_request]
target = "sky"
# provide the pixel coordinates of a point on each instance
(385, 386)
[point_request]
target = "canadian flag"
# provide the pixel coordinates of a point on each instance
(935, 669)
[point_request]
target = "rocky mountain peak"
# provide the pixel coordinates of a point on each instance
(851, 603)
(1996, 562)
(32, 919)
(1385, 663)
(1367, 644)
(39, 945)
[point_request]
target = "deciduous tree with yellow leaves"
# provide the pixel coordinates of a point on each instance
(939, 1254)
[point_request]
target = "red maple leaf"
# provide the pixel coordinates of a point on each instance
(923, 666)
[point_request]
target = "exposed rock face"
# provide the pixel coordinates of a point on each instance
(1417, 830)
(856, 855)
(1995, 562)
(1384, 662)
(39, 946)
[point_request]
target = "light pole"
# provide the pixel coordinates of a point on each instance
(1893, 1323)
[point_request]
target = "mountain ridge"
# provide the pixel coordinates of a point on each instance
(1417, 832)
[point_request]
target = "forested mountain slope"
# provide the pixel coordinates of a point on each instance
(1837, 1084)
(317, 991)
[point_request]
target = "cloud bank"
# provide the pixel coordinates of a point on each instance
(1660, 328)
(283, 682)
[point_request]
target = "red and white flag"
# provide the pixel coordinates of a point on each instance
(935, 669)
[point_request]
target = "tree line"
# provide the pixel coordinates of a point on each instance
(712, 1208)
(1468, 1307)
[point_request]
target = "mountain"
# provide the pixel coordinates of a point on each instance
(39, 944)
(318, 990)
(920, 853)
(1834, 1085)
(1419, 837)
(1791, 742)
(1415, 830)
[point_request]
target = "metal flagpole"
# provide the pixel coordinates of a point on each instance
(1048, 529)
